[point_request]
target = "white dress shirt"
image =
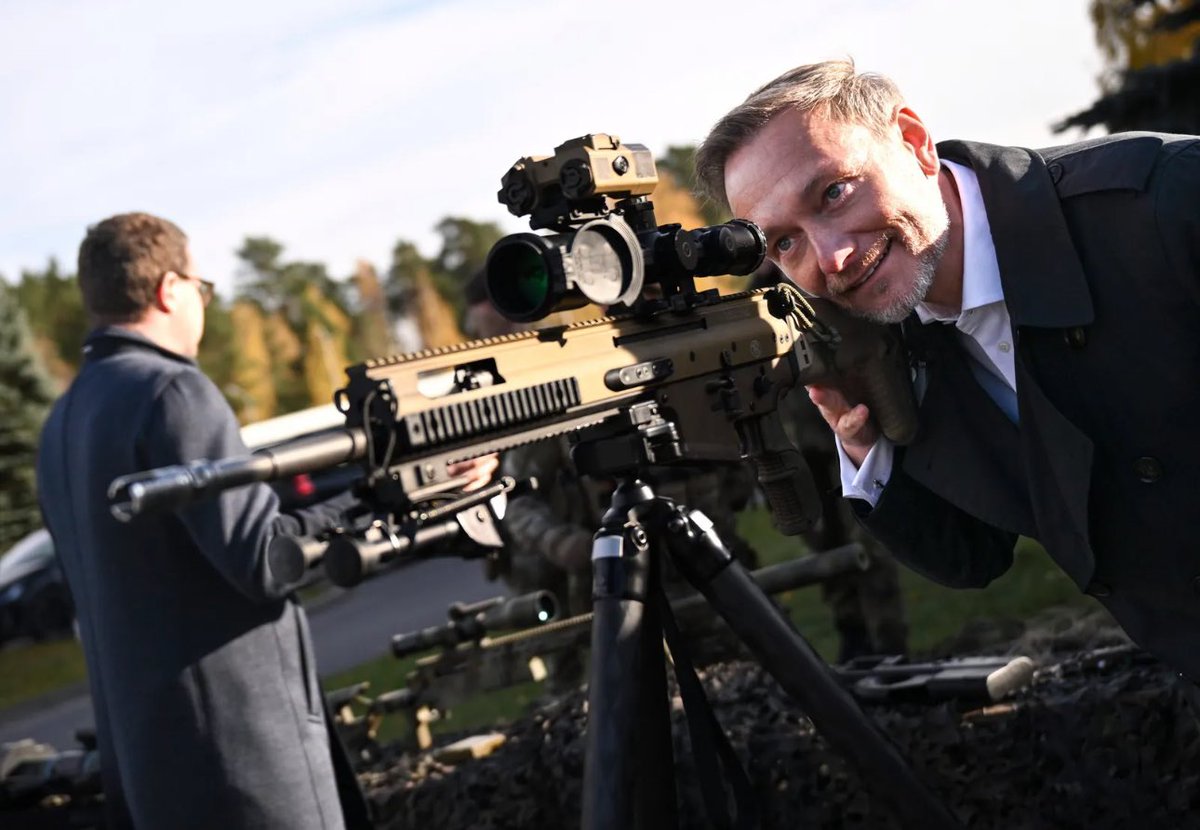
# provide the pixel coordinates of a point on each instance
(983, 327)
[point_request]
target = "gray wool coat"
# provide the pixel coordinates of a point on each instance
(208, 709)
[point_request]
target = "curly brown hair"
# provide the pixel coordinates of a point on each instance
(121, 261)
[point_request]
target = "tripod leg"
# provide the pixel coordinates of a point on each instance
(629, 767)
(703, 559)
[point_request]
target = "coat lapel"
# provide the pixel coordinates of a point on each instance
(1043, 279)
(972, 458)
(1044, 287)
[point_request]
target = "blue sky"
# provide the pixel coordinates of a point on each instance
(338, 128)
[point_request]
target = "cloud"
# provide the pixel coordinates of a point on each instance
(338, 130)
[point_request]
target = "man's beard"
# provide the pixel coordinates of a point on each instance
(927, 258)
(927, 262)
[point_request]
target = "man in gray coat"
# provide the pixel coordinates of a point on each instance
(208, 709)
(1051, 301)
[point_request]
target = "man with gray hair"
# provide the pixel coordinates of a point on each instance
(1050, 300)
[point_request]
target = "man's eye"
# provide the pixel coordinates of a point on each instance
(784, 245)
(835, 191)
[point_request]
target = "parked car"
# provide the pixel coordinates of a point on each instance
(34, 599)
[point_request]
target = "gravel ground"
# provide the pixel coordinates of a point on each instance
(1105, 736)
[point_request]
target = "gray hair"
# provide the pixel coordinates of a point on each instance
(831, 87)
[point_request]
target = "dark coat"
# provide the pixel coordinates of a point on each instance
(1099, 251)
(208, 708)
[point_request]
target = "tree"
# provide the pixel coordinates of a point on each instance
(219, 348)
(465, 246)
(1152, 55)
(56, 318)
(26, 392)
(307, 324)
(372, 335)
(680, 163)
(251, 388)
(416, 299)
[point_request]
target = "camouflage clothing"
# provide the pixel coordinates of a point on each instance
(550, 531)
(868, 607)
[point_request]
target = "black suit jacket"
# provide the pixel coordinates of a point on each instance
(1099, 251)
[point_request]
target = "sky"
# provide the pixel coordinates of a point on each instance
(338, 128)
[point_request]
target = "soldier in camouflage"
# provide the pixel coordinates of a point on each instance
(551, 530)
(868, 606)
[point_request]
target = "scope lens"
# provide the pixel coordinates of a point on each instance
(736, 247)
(518, 278)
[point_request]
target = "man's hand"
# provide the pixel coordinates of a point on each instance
(852, 424)
(479, 471)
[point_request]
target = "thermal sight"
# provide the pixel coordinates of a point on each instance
(606, 247)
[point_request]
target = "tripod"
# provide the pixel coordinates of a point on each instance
(629, 766)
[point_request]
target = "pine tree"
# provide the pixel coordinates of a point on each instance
(1151, 50)
(26, 392)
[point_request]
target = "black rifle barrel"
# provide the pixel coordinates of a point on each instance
(524, 611)
(169, 487)
(350, 559)
(291, 557)
(794, 573)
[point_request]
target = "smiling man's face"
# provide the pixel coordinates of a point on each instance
(850, 215)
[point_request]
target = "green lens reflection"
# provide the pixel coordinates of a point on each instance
(519, 278)
(531, 280)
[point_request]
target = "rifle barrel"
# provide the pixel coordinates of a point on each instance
(795, 573)
(524, 611)
(168, 487)
(349, 559)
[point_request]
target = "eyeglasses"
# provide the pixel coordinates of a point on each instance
(206, 288)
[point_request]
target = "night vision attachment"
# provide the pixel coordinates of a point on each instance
(594, 192)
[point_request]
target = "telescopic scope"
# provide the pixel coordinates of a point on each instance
(601, 254)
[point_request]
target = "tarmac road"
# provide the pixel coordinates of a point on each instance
(347, 630)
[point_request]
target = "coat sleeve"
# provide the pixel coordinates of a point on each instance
(1177, 207)
(190, 420)
(935, 538)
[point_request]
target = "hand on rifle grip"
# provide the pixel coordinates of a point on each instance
(479, 471)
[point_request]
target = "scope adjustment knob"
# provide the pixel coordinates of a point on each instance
(576, 179)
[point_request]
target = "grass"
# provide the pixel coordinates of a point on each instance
(387, 673)
(935, 614)
(29, 670)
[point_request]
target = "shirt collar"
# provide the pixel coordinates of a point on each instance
(107, 340)
(981, 270)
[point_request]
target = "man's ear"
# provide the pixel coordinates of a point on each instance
(166, 294)
(917, 137)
